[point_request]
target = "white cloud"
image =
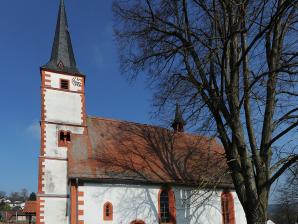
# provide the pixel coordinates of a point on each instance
(34, 129)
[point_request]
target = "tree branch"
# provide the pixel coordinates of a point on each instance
(286, 164)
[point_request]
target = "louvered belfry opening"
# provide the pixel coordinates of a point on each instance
(64, 84)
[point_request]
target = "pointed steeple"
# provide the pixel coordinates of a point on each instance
(62, 57)
(178, 123)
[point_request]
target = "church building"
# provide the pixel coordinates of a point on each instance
(94, 170)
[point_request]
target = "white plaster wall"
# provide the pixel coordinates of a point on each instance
(63, 107)
(131, 202)
(240, 217)
(203, 207)
(190, 208)
(55, 81)
(55, 211)
(51, 144)
(55, 177)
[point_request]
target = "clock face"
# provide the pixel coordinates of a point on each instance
(77, 81)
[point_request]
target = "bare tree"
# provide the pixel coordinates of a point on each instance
(24, 194)
(287, 199)
(15, 196)
(232, 65)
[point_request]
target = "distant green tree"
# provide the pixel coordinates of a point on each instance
(4, 207)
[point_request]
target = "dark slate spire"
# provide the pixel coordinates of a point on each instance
(62, 57)
(178, 123)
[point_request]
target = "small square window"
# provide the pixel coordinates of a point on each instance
(64, 84)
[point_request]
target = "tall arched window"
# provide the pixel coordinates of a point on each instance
(108, 211)
(227, 205)
(167, 208)
(164, 207)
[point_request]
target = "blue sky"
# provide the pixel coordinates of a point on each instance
(27, 31)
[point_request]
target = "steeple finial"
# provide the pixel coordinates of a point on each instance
(178, 123)
(62, 57)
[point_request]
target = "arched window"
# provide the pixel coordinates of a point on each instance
(63, 138)
(68, 136)
(227, 205)
(167, 208)
(164, 207)
(108, 211)
(137, 222)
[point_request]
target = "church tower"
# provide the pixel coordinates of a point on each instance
(62, 114)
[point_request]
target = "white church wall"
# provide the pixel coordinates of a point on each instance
(59, 206)
(132, 202)
(62, 110)
(240, 217)
(191, 210)
(129, 203)
(55, 177)
(54, 167)
(63, 107)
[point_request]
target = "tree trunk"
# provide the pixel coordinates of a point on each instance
(256, 216)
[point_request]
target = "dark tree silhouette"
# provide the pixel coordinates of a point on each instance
(32, 197)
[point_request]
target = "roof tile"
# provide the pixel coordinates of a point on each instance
(30, 207)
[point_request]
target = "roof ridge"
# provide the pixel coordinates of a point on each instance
(149, 125)
(123, 121)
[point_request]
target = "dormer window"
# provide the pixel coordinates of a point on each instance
(60, 65)
(64, 137)
(64, 84)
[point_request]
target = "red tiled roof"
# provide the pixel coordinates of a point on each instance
(30, 207)
(118, 150)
